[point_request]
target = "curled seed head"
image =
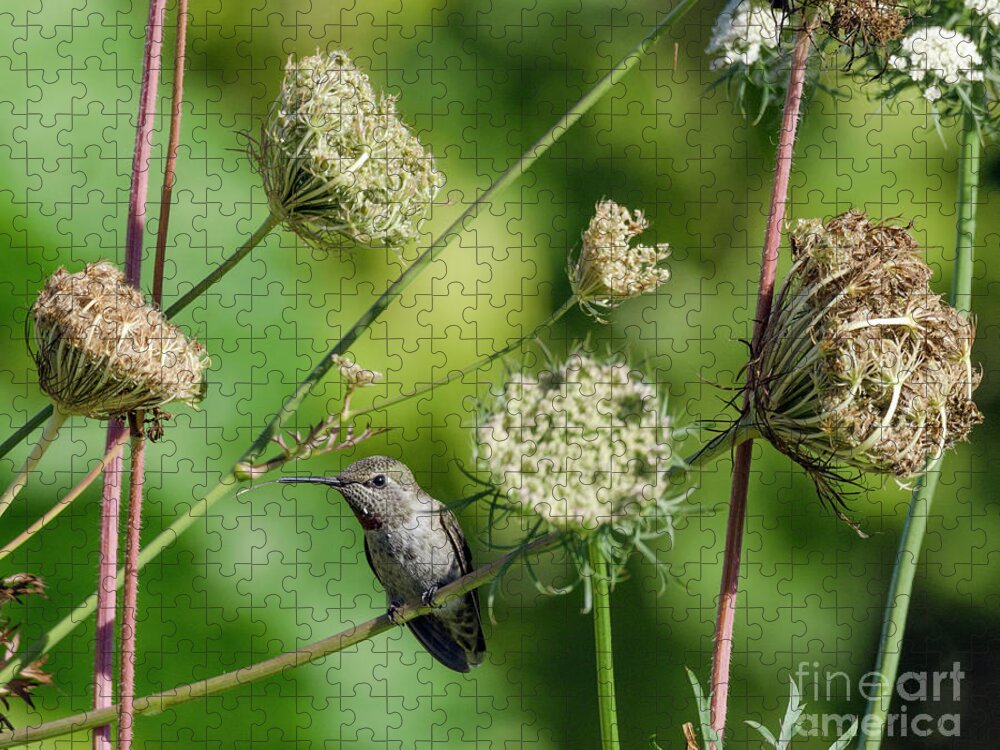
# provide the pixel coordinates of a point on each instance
(862, 365)
(609, 270)
(336, 160)
(102, 352)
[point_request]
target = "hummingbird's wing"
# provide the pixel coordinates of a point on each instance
(466, 626)
(438, 637)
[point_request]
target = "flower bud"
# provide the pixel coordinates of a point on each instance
(354, 374)
(336, 160)
(102, 352)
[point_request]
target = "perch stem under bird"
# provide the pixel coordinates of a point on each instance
(414, 545)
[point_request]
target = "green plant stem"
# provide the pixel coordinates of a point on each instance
(968, 191)
(21, 434)
(52, 513)
(48, 437)
(568, 305)
(201, 508)
(603, 649)
(915, 528)
(225, 267)
(160, 702)
(192, 294)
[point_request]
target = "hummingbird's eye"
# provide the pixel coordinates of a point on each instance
(378, 480)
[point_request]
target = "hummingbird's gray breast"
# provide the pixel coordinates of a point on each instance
(413, 556)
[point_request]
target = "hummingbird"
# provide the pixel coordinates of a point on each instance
(414, 545)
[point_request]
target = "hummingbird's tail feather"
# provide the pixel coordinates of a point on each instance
(439, 640)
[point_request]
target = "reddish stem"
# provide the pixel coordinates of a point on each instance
(111, 498)
(104, 638)
(744, 452)
(169, 173)
(126, 683)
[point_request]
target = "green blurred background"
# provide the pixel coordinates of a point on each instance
(273, 570)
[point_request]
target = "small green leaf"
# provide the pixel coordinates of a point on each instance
(764, 732)
(846, 737)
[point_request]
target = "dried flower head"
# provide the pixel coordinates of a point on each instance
(862, 365)
(609, 270)
(30, 676)
(936, 56)
(865, 25)
(15, 587)
(336, 160)
(742, 31)
(354, 374)
(102, 352)
(582, 448)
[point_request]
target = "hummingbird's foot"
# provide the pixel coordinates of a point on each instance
(428, 597)
(393, 614)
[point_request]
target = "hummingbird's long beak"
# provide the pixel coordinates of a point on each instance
(328, 481)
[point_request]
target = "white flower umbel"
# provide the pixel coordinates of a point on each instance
(336, 160)
(742, 30)
(609, 270)
(581, 446)
(989, 9)
(936, 56)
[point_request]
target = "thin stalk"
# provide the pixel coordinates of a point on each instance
(915, 528)
(52, 513)
(477, 365)
(201, 508)
(49, 434)
(729, 588)
(105, 600)
(26, 429)
(606, 701)
(160, 702)
(111, 500)
(225, 267)
(169, 169)
(126, 681)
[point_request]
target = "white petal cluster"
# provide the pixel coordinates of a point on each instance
(580, 446)
(936, 55)
(742, 30)
(609, 270)
(988, 8)
(337, 160)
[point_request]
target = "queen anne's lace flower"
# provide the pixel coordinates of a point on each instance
(742, 30)
(609, 270)
(862, 364)
(102, 352)
(581, 446)
(990, 9)
(336, 159)
(935, 55)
